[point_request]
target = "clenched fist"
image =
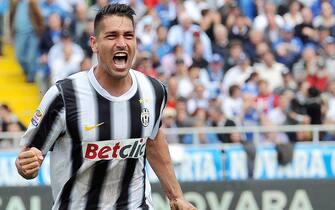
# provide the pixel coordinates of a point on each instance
(181, 204)
(28, 162)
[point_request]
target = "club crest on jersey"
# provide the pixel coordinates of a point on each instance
(145, 117)
(37, 118)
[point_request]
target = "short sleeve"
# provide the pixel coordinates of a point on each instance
(47, 123)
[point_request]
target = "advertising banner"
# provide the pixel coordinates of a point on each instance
(309, 162)
(255, 195)
(226, 195)
(193, 163)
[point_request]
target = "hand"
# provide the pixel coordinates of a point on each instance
(181, 204)
(28, 162)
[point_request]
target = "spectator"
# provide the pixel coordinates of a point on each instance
(330, 111)
(319, 79)
(266, 100)
(329, 57)
(49, 7)
(79, 21)
(297, 113)
(272, 30)
(305, 30)
(160, 46)
(169, 61)
(146, 66)
(94, 9)
(306, 65)
(187, 82)
(293, 17)
(50, 37)
(199, 120)
(185, 33)
(84, 40)
(220, 44)
(261, 21)
(217, 119)
(250, 116)
(26, 23)
(9, 122)
(238, 74)
(256, 37)
(198, 100)
(64, 58)
(232, 105)
(240, 29)
(198, 56)
(166, 11)
(326, 18)
(146, 32)
(235, 50)
(288, 48)
(214, 75)
(251, 85)
(270, 71)
(169, 121)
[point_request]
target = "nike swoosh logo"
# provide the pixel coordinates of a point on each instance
(91, 127)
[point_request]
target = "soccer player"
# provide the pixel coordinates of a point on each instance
(101, 126)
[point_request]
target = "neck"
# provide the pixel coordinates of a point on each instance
(114, 86)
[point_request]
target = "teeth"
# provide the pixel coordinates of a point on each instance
(120, 54)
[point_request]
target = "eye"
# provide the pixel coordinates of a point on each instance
(111, 36)
(129, 36)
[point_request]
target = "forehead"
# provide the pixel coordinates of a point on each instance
(116, 23)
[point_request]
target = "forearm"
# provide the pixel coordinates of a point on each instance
(160, 161)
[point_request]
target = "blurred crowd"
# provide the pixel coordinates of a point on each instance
(225, 62)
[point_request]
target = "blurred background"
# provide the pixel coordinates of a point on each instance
(251, 85)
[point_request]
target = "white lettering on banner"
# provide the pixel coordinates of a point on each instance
(300, 162)
(15, 203)
(208, 170)
(160, 202)
(332, 162)
(215, 204)
(317, 168)
(238, 165)
(198, 166)
(265, 164)
(184, 171)
(273, 200)
(196, 199)
(247, 201)
(35, 203)
(285, 171)
(305, 164)
(300, 201)
(114, 149)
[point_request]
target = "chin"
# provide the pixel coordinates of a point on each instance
(119, 73)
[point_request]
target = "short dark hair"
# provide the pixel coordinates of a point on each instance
(113, 9)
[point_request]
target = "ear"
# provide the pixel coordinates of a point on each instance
(93, 44)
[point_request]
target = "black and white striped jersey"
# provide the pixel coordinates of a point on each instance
(97, 141)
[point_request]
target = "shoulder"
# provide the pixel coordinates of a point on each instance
(80, 77)
(142, 77)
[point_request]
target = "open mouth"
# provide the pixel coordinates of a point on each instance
(120, 60)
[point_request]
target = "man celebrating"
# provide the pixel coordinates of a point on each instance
(101, 126)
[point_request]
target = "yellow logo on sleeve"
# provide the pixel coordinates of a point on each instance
(91, 127)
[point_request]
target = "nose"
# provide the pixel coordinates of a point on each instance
(121, 44)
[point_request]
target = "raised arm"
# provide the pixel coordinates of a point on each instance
(159, 158)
